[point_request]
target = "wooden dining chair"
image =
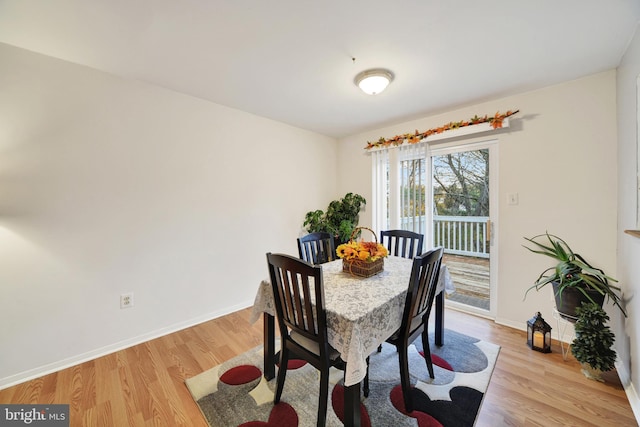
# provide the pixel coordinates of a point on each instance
(420, 295)
(303, 325)
(403, 243)
(317, 248)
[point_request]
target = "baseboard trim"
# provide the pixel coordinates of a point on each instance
(31, 374)
(629, 389)
(519, 326)
(556, 335)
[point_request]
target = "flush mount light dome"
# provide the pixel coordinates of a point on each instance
(372, 82)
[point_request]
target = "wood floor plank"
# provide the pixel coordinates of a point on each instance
(144, 385)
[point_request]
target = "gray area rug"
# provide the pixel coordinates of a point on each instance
(236, 394)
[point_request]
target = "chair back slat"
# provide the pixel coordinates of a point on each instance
(291, 291)
(299, 296)
(422, 289)
(317, 248)
(402, 243)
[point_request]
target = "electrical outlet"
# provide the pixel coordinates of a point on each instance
(126, 300)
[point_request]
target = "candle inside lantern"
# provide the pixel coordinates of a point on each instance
(538, 339)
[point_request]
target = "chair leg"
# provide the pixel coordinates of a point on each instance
(324, 395)
(404, 378)
(427, 352)
(282, 372)
(366, 381)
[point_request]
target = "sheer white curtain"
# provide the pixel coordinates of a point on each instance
(401, 190)
(380, 190)
(413, 187)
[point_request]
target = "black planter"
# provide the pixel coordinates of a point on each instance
(571, 298)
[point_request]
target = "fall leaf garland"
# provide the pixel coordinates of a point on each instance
(412, 138)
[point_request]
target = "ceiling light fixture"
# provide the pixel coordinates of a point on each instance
(372, 82)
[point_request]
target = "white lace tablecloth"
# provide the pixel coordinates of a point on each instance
(361, 312)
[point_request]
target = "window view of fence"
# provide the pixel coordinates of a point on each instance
(462, 235)
(459, 235)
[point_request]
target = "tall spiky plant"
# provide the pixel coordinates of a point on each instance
(571, 270)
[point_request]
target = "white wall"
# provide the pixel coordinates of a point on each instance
(110, 186)
(627, 332)
(560, 156)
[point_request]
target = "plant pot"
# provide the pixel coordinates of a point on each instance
(571, 298)
(591, 373)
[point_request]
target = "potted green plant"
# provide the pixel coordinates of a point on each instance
(574, 280)
(594, 339)
(340, 219)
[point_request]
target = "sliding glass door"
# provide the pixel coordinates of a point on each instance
(463, 203)
(448, 194)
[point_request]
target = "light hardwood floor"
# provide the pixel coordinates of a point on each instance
(144, 385)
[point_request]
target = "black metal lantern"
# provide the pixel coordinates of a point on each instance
(539, 334)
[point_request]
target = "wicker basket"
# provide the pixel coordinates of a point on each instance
(361, 268)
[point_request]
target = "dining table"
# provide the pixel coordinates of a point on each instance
(362, 312)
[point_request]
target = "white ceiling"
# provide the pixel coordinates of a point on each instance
(291, 60)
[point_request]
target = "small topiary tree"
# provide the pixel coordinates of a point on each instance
(594, 339)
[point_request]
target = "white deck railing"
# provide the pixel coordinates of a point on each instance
(459, 235)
